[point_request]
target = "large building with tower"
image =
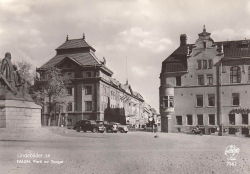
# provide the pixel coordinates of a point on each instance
(206, 84)
(91, 89)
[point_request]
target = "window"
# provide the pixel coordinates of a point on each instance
(200, 79)
(211, 119)
(179, 120)
(88, 74)
(232, 119)
(200, 119)
(204, 44)
(88, 106)
(189, 120)
(199, 64)
(88, 90)
(210, 64)
(168, 101)
(249, 73)
(235, 75)
(70, 107)
(209, 79)
(244, 118)
(236, 99)
(199, 100)
(69, 91)
(178, 81)
(204, 64)
(211, 100)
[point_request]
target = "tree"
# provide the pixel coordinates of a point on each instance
(52, 88)
(25, 70)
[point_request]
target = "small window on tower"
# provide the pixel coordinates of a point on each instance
(178, 81)
(204, 44)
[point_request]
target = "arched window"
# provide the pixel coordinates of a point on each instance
(235, 75)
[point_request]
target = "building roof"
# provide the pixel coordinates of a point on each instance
(82, 59)
(177, 61)
(237, 48)
(77, 50)
(75, 43)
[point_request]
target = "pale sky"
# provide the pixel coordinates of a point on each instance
(144, 31)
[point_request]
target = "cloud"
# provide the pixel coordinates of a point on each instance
(138, 71)
(248, 7)
(230, 34)
(144, 39)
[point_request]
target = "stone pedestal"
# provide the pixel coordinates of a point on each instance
(19, 114)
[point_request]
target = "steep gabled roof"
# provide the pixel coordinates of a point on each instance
(75, 43)
(82, 58)
(177, 61)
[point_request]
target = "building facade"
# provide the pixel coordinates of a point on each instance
(91, 89)
(206, 84)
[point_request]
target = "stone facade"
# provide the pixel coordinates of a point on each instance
(19, 114)
(206, 84)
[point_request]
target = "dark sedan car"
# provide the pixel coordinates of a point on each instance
(89, 125)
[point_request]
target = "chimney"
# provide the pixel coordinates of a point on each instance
(183, 40)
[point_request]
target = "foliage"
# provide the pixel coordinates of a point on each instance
(52, 89)
(25, 70)
(115, 115)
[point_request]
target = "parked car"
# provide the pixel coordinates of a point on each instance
(197, 130)
(89, 125)
(122, 128)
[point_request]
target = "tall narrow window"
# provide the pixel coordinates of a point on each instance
(244, 118)
(199, 100)
(204, 44)
(211, 100)
(168, 101)
(69, 91)
(179, 120)
(235, 99)
(249, 73)
(210, 64)
(199, 64)
(178, 80)
(189, 120)
(235, 74)
(88, 90)
(70, 106)
(88, 105)
(204, 64)
(209, 79)
(200, 79)
(232, 119)
(200, 119)
(211, 119)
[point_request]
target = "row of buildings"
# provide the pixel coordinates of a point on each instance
(206, 84)
(91, 89)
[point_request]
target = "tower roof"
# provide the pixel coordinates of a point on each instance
(75, 43)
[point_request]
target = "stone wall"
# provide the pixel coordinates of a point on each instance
(19, 114)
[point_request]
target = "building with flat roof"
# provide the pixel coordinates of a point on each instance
(206, 84)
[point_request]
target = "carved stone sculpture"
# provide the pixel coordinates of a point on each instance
(12, 84)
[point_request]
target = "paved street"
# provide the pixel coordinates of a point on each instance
(135, 152)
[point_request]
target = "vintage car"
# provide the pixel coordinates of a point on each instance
(89, 125)
(122, 128)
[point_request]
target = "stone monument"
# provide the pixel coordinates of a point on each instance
(17, 109)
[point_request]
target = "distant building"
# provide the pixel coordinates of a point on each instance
(207, 84)
(92, 89)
